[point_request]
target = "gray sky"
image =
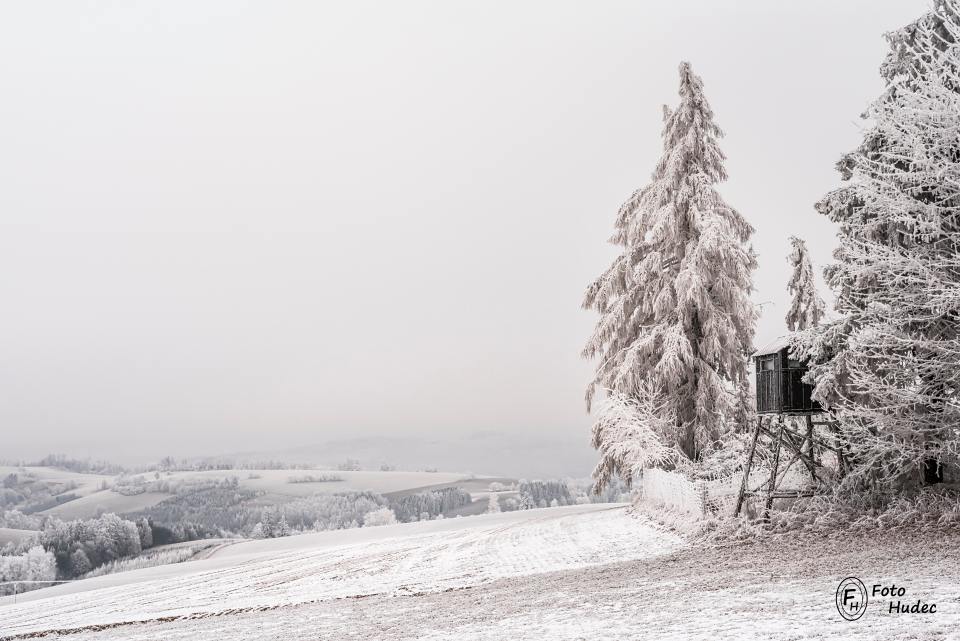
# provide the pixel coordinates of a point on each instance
(235, 225)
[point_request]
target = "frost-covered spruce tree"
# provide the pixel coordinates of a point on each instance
(826, 348)
(889, 368)
(675, 309)
(806, 306)
(493, 504)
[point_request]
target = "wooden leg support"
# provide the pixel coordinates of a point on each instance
(747, 466)
(771, 486)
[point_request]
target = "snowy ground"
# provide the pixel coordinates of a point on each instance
(398, 560)
(85, 483)
(583, 572)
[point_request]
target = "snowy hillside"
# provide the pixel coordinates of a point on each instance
(573, 573)
(426, 557)
(276, 484)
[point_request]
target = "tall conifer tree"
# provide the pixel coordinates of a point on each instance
(675, 313)
(806, 306)
(888, 367)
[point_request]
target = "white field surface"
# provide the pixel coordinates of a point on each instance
(563, 574)
(90, 506)
(399, 560)
(274, 482)
(86, 483)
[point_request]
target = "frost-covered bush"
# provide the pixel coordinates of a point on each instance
(20, 521)
(930, 509)
(381, 516)
(350, 465)
(634, 432)
(36, 564)
(146, 560)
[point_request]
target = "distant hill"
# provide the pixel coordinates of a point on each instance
(487, 453)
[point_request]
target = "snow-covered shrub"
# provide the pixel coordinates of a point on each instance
(350, 465)
(827, 515)
(146, 560)
(381, 516)
(20, 521)
(493, 504)
(130, 485)
(632, 433)
(722, 460)
(145, 530)
(36, 564)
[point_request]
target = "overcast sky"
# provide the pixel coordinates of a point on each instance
(252, 225)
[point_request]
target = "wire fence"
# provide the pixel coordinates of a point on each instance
(701, 498)
(18, 583)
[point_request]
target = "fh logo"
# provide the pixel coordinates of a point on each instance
(851, 598)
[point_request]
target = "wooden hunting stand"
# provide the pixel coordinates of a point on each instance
(782, 392)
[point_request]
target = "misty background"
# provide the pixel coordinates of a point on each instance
(364, 229)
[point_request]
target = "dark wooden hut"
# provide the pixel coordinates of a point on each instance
(780, 386)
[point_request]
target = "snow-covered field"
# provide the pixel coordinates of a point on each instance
(103, 501)
(397, 560)
(85, 483)
(579, 572)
